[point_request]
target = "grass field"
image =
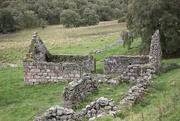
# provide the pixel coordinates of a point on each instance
(59, 40)
(22, 103)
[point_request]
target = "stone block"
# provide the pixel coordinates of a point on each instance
(55, 78)
(37, 70)
(60, 77)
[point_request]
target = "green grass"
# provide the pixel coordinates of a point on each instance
(115, 92)
(118, 50)
(170, 61)
(161, 103)
(164, 98)
(21, 103)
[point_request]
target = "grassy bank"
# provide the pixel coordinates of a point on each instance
(161, 103)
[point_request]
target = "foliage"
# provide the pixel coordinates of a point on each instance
(122, 19)
(69, 18)
(42, 12)
(91, 17)
(7, 22)
(144, 17)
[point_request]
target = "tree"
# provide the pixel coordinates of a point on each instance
(105, 13)
(42, 13)
(91, 17)
(144, 17)
(69, 18)
(7, 22)
(30, 19)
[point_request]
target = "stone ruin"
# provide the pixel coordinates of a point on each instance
(155, 55)
(133, 67)
(137, 69)
(42, 67)
(74, 94)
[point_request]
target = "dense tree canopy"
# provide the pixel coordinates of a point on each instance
(69, 18)
(40, 12)
(144, 17)
(7, 23)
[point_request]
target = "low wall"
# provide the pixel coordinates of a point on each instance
(98, 108)
(136, 71)
(87, 62)
(44, 72)
(77, 91)
(118, 64)
(135, 93)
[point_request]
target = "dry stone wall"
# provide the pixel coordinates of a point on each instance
(87, 62)
(44, 72)
(77, 91)
(98, 108)
(113, 64)
(135, 93)
(133, 72)
(57, 113)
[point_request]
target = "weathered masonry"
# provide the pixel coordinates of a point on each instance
(124, 64)
(42, 67)
(113, 64)
(78, 90)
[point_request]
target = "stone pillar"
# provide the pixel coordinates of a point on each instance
(155, 55)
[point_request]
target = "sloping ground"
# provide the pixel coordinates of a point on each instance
(161, 103)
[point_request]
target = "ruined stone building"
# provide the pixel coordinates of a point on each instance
(40, 66)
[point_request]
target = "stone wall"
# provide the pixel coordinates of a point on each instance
(135, 93)
(44, 72)
(155, 55)
(98, 108)
(57, 113)
(87, 62)
(113, 64)
(133, 72)
(77, 91)
(41, 67)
